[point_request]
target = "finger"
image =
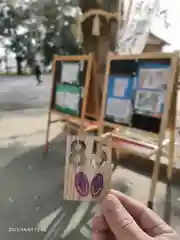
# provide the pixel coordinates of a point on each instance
(101, 236)
(99, 227)
(120, 221)
(148, 220)
(99, 224)
(98, 236)
(134, 207)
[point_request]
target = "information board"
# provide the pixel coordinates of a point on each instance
(72, 82)
(136, 91)
(71, 76)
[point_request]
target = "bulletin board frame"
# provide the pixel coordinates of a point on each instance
(81, 122)
(72, 59)
(170, 86)
(167, 125)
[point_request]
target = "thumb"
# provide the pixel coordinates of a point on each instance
(120, 221)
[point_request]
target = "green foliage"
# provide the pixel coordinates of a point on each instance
(11, 18)
(44, 22)
(58, 37)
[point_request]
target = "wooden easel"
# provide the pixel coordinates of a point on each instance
(157, 141)
(168, 121)
(72, 123)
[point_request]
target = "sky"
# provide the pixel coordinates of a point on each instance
(173, 34)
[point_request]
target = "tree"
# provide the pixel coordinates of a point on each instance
(12, 19)
(56, 19)
(20, 46)
(106, 41)
(100, 45)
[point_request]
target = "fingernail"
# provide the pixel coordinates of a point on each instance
(110, 205)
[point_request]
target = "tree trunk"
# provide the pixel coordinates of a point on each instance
(19, 65)
(6, 61)
(103, 43)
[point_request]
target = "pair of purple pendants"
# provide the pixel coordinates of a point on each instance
(83, 187)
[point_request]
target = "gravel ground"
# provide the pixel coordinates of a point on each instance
(31, 183)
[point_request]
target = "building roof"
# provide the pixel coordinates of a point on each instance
(162, 29)
(161, 40)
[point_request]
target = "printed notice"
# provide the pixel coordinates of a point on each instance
(71, 101)
(120, 87)
(60, 98)
(70, 72)
(118, 108)
(154, 78)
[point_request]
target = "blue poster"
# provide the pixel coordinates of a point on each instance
(120, 98)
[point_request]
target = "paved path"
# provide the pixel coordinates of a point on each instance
(32, 184)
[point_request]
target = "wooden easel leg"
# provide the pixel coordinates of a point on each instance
(168, 202)
(46, 146)
(155, 175)
(171, 125)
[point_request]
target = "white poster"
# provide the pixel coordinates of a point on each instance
(60, 98)
(119, 109)
(154, 78)
(71, 101)
(69, 72)
(68, 100)
(120, 87)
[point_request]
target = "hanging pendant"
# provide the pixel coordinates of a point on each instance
(96, 26)
(79, 33)
(82, 184)
(97, 185)
(88, 170)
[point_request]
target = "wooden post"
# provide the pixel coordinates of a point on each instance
(46, 146)
(164, 125)
(100, 44)
(171, 151)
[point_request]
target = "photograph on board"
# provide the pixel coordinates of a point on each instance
(119, 110)
(153, 78)
(151, 102)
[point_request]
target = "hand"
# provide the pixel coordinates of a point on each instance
(124, 218)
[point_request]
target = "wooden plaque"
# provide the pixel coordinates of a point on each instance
(87, 168)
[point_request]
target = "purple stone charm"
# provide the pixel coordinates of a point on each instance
(82, 184)
(97, 185)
